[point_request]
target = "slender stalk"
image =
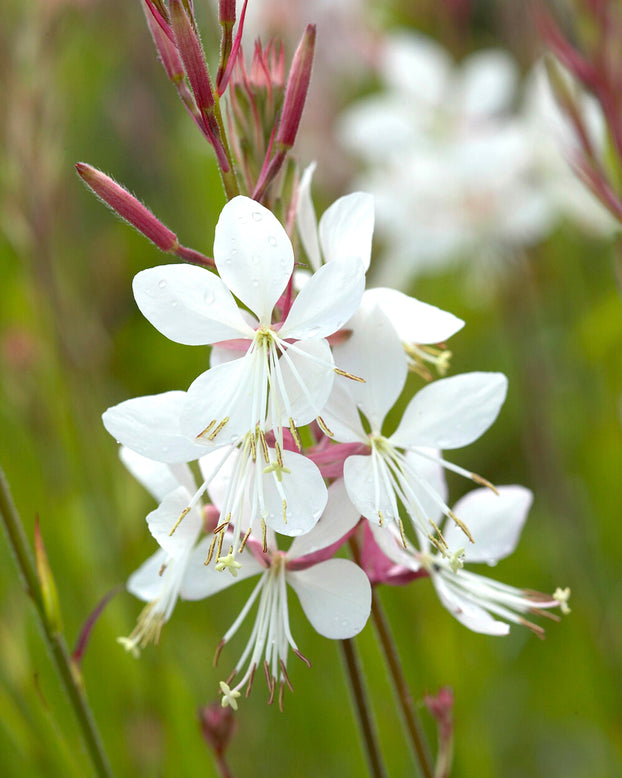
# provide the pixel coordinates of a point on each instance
(389, 649)
(68, 670)
(229, 179)
(363, 709)
(411, 720)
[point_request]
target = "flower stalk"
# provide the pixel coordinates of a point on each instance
(68, 670)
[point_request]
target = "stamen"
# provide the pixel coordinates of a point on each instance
(253, 444)
(285, 676)
(219, 648)
(462, 525)
(441, 538)
(535, 628)
(351, 376)
(264, 530)
(381, 517)
(218, 428)
(300, 655)
(264, 445)
(184, 513)
(295, 435)
(437, 545)
(484, 482)
(224, 525)
(244, 539)
(210, 552)
(161, 570)
(284, 511)
(324, 428)
(251, 678)
(207, 429)
(281, 692)
(402, 535)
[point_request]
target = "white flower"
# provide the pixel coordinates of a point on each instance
(160, 580)
(286, 373)
(448, 413)
(496, 521)
(334, 593)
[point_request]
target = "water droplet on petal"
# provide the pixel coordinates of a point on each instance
(255, 259)
(255, 282)
(272, 241)
(313, 331)
(162, 283)
(209, 297)
(257, 216)
(173, 303)
(242, 218)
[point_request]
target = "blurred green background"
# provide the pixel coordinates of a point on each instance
(79, 81)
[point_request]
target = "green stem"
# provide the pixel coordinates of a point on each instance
(402, 692)
(411, 720)
(68, 670)
(229, 180)
(363, 709)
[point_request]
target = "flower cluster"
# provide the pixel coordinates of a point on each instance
(288, 428)
(457, 154)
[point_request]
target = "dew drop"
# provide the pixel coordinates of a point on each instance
(255, 259)
(313, 331)
(242, 218)
(272, 241)
(257, 216)
(255, 282)
(208, 297)
(173, 303)
(162, 283)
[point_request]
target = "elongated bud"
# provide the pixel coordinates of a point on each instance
(296, 90)
(164, 42)
(133, 211)
(127, 206)
(49, 593)
(218, 726)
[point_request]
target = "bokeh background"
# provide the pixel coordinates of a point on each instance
(80, 82)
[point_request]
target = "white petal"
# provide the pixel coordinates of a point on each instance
(304, 492)
(188, 304)
(146, 582)
(223, 391)
(150, 426)
(253, 255)
(335, 596)
(162, 520)
(326, 301)
(309, 365)
(472, 616)
(413, 320)
(203, 580)
(306, 220)
(341, 414)
(338, 519)
(370, 493)
(159, 479)
(452, 412)
(417, 65)
(433, 475)
(486, 83)
(347, 227)
(373, 352)
(495, 521)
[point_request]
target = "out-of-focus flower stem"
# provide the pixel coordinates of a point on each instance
(389, 649)
(229, 180)
(363, 709)
(68, 670)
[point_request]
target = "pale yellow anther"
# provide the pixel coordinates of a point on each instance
(295, 435)
(351, 376)
(229, 696)
(284, 511)
(381, 518)
(562, 596)
(324, 428)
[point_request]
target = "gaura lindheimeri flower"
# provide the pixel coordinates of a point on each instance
(286, 374)
(448, 413)
(160, 580)
(496, 522)
(335, 595)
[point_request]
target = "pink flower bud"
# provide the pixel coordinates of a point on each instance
(297, 88)
(128, 207)
(218, 726)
